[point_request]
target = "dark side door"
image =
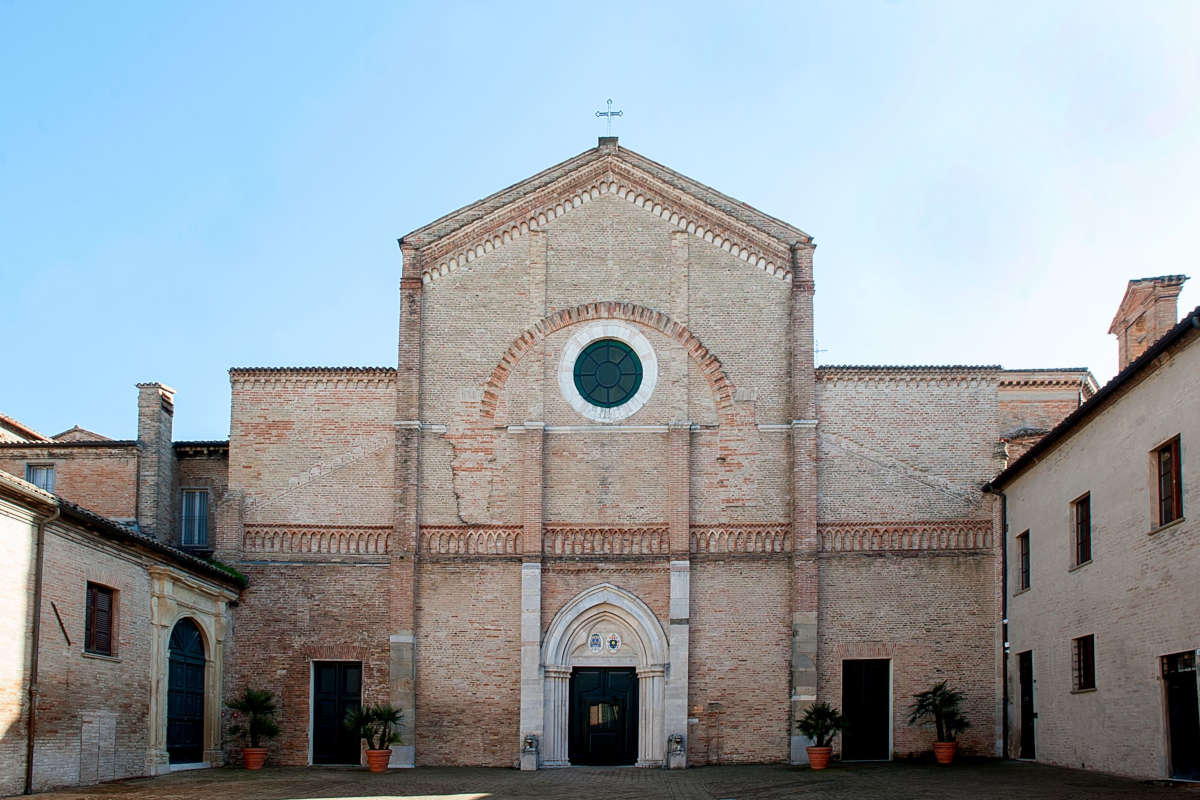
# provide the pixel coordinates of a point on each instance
(1183, 715)
(337, 688)
(866, 702)
(603, 722)
(1028, 715)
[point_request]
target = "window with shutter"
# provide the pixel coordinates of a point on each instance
(98, 624)
(194, 524)
(1083, 529)
(1170, 482)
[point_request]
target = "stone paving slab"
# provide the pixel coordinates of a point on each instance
(975, 781)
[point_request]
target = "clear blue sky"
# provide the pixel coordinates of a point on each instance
(186, 187)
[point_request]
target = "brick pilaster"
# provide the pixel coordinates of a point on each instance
(805, 569)
(405, 530)
(679, 479)
(532, 476)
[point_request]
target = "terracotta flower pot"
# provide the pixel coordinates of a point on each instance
(818, 757)
(254, 757)
(943, 752)
(377, 760)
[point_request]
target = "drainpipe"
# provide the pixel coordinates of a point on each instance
(31, 729)
(1003, 615)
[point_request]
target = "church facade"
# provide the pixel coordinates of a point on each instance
(605, 508)
(606, 500)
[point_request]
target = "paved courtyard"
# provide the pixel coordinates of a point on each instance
(975, 781)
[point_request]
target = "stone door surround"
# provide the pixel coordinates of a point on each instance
(607, 609)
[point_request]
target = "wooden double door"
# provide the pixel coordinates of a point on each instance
(603, 716)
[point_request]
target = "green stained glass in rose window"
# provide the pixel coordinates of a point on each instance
(608, 373)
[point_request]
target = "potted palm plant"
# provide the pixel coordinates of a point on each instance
(380, 725)
(943, 706)
(820, 723)
(258, 708)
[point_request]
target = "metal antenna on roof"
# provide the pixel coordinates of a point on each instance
(608, 115)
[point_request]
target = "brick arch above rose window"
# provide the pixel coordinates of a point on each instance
(709, 364)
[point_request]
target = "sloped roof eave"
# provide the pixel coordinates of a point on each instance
(1111, 390)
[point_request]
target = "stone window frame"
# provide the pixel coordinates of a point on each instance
(31, 469)
(1083, 663)
(183, 529)
(607, 329)
(91, 647)
(1081, 530)
(1161, 515)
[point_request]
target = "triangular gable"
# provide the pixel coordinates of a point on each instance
(455, 240)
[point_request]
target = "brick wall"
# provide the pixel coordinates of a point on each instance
(293, 615)
(933, 615)
(209, 471)
(93, 721)
(906, 446)
(1035, 407)
(740, 646)
(902, 459)
(468, 662)
(313, 447)
(101, 479)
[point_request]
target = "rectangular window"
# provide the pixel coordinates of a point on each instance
(98, 625)
(1083, 662)
(41, 476)
(1023, 561)
(195, 518)
(1170, 482)
(1082, 511)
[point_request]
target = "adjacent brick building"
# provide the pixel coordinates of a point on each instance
(93, 612)
(605, 507)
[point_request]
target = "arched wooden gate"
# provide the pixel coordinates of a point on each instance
(185, 694)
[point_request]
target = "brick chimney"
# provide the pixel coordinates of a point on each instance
(156, 462)
(1147, 311)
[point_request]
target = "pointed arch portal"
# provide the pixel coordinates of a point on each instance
(605, 627)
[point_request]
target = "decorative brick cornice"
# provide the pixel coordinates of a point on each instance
(571, 540)
(950, 373)
(769, 537)
(1067, 377)
(709, 364)
(316, 377)
(963, 534)
(288, 540)
(615, 178)
(467, 540)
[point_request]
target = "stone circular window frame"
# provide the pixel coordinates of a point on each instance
(622, 332)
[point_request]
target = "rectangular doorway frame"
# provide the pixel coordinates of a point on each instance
(1026, 687)
(312, 699)
(891, 708)
(1170, 762)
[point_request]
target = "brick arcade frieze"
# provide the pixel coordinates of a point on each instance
(277, 541)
